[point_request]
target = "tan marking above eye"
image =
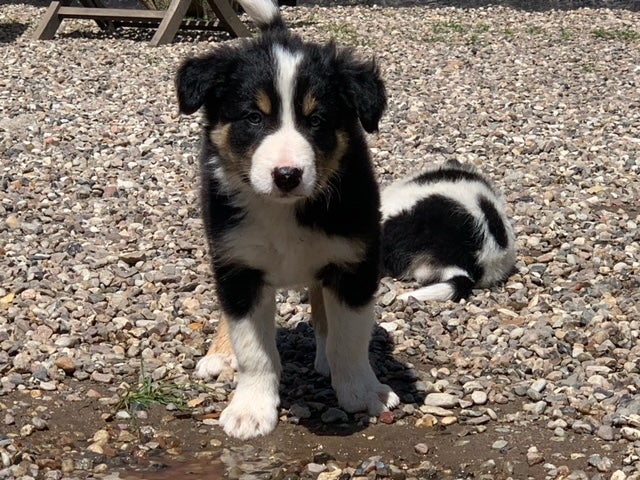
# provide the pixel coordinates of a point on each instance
(309, 104)
(263, 102)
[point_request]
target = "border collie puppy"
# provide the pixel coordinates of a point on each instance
(288, 198)
(446, 229)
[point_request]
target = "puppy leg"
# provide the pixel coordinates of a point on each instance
(319, 321)
(253, 411)
(352, 377)
(220, 355)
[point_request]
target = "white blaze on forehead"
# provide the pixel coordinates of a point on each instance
(287, 63)
(286, 147)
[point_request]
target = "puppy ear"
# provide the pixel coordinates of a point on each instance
(197, 78)
(365, 91)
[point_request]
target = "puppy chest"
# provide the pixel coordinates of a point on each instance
(287, 253)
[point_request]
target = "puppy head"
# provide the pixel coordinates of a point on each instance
(281, 113)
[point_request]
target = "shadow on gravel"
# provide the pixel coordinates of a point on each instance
(10, 32)
(140, 34)
(300, 384)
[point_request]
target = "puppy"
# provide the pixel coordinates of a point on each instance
(447, 229)
(288, 198)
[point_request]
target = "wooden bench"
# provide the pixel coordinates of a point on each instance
(168, 21)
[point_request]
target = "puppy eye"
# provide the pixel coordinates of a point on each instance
(254, 118)
(315, 121)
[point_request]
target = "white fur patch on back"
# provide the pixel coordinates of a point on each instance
(402, 196)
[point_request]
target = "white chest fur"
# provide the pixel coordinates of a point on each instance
(269, 238)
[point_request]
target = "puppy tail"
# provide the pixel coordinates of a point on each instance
(264, 13)
(455, 288)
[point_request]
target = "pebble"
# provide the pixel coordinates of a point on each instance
(601, 463)
(499, 444)
(534, 457)
(421, 448)
(478, 397)
(444, 400)
(334, 415)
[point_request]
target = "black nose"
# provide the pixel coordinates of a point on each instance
(287, 178)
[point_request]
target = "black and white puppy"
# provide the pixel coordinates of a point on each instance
(447, 229)
(289, 198)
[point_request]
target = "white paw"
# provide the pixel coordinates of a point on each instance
(365, 394)
(249, 416)
(212, 365)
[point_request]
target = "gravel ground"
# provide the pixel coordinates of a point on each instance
(104, 272)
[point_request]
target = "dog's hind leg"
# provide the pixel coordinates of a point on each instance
(220, 356)
(319, 322)
(348, 337)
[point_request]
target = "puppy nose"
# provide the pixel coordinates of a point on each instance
(287, 178)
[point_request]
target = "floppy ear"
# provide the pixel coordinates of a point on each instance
(365, 90)
(198, 78)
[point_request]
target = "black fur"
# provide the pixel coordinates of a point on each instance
(350, 96)
(436, 225)
(439, 236)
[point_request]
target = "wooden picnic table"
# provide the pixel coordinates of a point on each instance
(169, 21)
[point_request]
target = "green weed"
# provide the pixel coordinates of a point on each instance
(625, 35)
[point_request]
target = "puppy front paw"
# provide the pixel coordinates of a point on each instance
(213, 364)
(365, 394)
(249, 416)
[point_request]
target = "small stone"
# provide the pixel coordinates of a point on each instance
(630, 433)
(388, 298)
(538, 385)
(39, 423)
(426, 421)
(27, 430)
(536, 408)
(499, 444)
(618, 475)
(602, 464)
(47, 386)
(96, 448)
(315, 468)
(13, 222)
(101, 377)
(479, 397)
(300, 411)
(534, 457)
(101, 437)
(131, 258)
(421, 448)
(66, 364)
(334, 415)
(581, 427)
(444, 400)
(481, 420)
(386, 417)
(332, 475)
(606, 432)
(437, 411)
(450, 420)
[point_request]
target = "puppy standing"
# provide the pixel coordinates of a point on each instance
(289, 198)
